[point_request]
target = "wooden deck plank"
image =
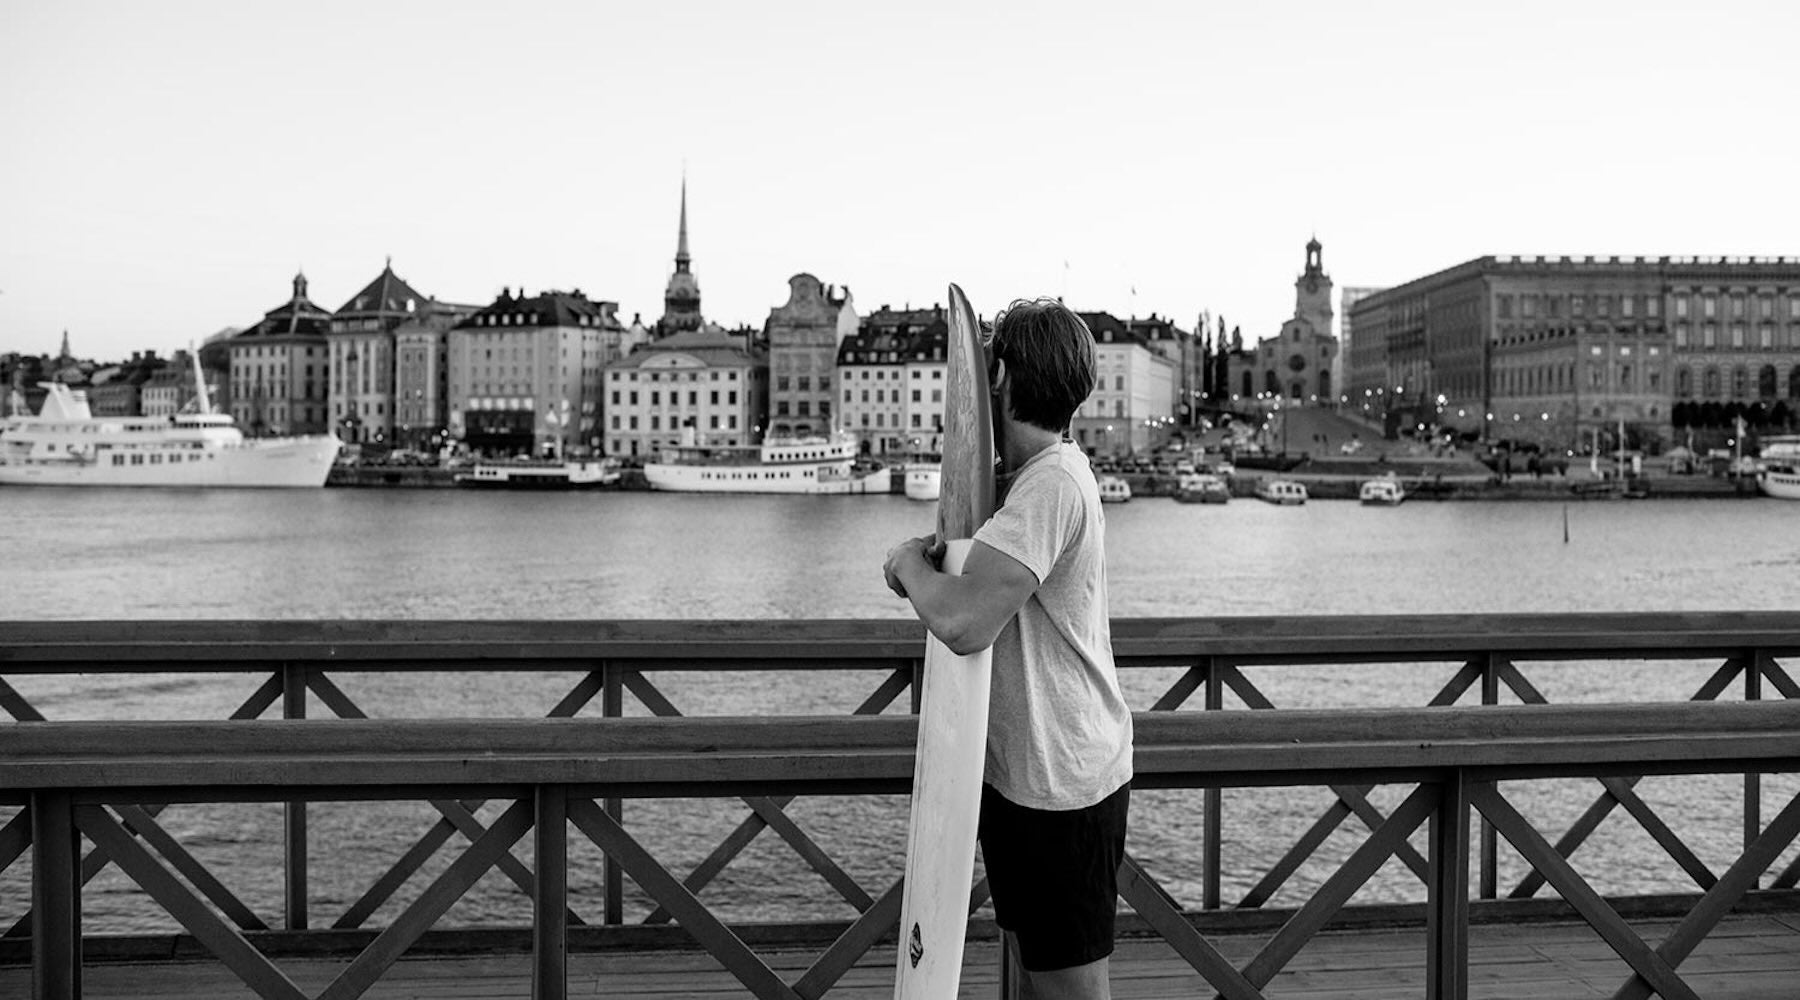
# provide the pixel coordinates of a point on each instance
(1753, 957)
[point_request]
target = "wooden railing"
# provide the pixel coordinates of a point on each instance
(109, 780)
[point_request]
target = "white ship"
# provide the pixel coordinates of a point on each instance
(526, 475)
(66, 445)
(791, 465)
(1778, 471)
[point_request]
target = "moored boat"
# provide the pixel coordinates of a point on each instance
(1778, 470)
(64, 444)
(924, 478)
(829, 465)
(1282, 492)
(1200, 487)
(1114, 490)
(1383, 492)
(529, 475)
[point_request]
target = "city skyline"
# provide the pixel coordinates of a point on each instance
(172, 168)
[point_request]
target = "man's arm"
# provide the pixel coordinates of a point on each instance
(965, 612)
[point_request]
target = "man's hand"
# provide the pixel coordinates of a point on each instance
(928, 549)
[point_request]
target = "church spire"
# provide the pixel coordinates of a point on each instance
(681, 244)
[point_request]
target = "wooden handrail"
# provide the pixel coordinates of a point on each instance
(133, 646)
(647, 756)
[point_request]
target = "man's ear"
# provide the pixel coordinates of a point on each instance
(996, 373)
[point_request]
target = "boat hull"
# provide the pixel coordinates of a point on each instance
(814, 480)
(260, 463)
(569, 476)
(1780, 484)
(924, 483)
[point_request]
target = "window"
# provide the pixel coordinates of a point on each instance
(1681, 335)
(1740, 382)
(1710, 384)
(1681, 307)
(1737, 335)
(1577, 305)
(1737, 306)
(1709, 305)
(1709, 335)
(1765, 337)
(1503, 306)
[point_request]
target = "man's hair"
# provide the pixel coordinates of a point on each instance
(1049, 353)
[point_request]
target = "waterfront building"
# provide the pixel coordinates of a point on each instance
(280, 368)
(702, 387)
(361, 345)
(681, 299)
(1132, 407)
(1341, 362)
(170, 388)
(1562, 352)
(892, 374)
(1162, 336)
(422, 375)
(1297, 362)
(117, 390)
(525, 372)
(804, 335)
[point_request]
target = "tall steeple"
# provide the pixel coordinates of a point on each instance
(681, 247)
(681, 300)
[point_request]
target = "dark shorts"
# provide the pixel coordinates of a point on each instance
(1054, 876)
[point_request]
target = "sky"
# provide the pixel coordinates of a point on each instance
(166, 168)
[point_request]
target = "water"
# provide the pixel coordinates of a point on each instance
(445, 554)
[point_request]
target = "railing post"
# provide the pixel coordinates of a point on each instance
(917, 688)
(550, 926)
(1489, 876)
(1211, 835)
(612, 706)
(55, 898)
(293, 706)
(1753, 677)
(1447, 905)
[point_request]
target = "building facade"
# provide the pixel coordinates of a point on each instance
(1564, 352)
(696, 387)
(891, 376)
(280, 370)
(362, 357)
(524, 374)
(1132, 407)
(804, 335)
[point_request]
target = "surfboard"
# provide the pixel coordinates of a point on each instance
(953, 701)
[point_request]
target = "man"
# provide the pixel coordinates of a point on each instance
(1058, 770)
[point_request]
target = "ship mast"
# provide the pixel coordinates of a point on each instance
(199, 382)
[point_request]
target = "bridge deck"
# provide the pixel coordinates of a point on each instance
(1748, 957)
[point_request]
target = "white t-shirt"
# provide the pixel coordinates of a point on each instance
(1059, 731)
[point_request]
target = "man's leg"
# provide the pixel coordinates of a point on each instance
(1081, 982)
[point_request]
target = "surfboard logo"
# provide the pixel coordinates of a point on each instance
(916, 947)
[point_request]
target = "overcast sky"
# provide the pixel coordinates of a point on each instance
(166, 167)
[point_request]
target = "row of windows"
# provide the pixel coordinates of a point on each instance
(1711, 383)
(1541, 380)
(731, 375)
(631, 422)
(918, 422)
(863, 374)
(1738, 336)
(881, 395)
(693, 397)
(1530, 306)
(1738, 304)
(156, 458)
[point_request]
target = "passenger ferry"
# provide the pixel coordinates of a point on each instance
(551, 475)
(66, 445)
(783, 465)
(1778, 471)
(1114, 490)
(1281, 491)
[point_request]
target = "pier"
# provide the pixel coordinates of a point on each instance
(1503, 907)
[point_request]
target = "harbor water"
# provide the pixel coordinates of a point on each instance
(447, 554)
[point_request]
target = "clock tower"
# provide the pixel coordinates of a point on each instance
(1312, 291)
